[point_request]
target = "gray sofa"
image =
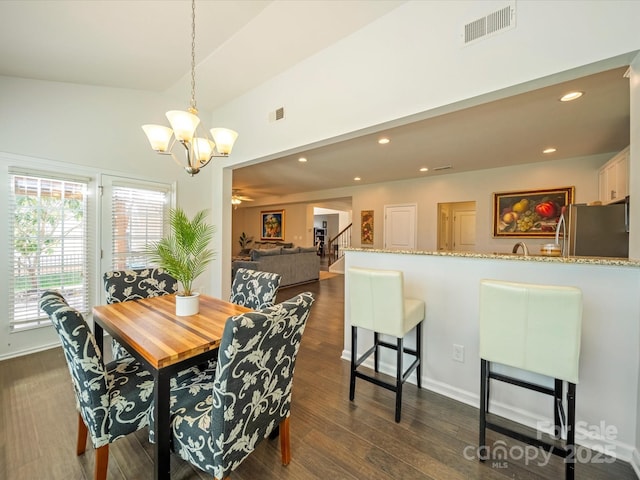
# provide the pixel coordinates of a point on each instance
(295, 265)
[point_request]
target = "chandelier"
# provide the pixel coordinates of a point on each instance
(198, 149)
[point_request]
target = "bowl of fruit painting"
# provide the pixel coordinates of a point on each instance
(529, 213)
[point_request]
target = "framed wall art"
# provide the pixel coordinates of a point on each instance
(366, 227)
(272, 225)
(529, 213)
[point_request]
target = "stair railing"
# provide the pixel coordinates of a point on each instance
(338, 243)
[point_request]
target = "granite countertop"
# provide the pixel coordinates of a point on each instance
(619, 262)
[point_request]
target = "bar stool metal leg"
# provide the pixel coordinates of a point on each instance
(354, 357)
(376, 358)
(558, 410)
(419, 354)
(570, 460)
(400, 354)
(484, 405)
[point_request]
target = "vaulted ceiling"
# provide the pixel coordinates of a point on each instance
(240, 44)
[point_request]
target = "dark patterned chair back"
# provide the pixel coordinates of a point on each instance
(84, 360)
(124, 285)
(254, 289)
(254, 377)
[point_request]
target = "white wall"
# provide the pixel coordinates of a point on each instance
(96, 127)
(89, 131)
(411, 62)
(479, 187)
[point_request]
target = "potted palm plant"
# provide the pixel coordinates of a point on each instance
(184, 254)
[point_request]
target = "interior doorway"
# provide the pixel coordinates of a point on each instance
(457, 226)
(328, 223)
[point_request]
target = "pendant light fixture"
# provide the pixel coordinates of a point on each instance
(198, 150)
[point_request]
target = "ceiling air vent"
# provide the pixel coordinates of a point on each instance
(498, 21)
(443, 167)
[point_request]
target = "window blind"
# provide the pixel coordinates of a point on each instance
(48, 233)
(138, 216)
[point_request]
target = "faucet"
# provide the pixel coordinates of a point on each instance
(562, 225)
(525, 250)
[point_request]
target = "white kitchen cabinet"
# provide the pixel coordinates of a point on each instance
(613, 178)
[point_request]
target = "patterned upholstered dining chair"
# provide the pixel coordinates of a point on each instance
(125, 285)
(220, 417)
(113, 400)
(254, 289)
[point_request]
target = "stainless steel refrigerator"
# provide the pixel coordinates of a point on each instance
(598, 230)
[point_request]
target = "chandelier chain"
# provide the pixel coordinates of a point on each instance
(193, 54)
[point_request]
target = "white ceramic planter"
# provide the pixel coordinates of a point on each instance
(186, 306)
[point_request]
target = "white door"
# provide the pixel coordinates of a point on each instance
(400, 232)
(464, 230)
(457, 226)
(444, 232)
(133, 214)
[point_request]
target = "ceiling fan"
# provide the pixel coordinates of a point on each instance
(237, 198)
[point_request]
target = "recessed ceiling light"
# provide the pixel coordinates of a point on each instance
(424, 169)
(357, 179)
(383, 141)
(302, 159)
(571, 96)
(549, 150)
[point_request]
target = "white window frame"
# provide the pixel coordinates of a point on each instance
(77, 295)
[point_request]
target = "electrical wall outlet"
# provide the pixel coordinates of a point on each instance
(458, 353)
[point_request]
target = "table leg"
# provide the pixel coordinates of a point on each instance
(98, 335)
(162, 468)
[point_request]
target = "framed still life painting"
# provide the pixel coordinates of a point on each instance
(529, 213)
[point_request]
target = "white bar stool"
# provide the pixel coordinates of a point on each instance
(535, 328)
(377, 303)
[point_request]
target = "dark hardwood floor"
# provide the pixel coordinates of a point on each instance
(331, 437)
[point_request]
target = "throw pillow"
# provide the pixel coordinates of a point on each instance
(256, 254)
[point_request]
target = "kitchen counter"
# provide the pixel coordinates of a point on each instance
(448, 282)
(619, 262)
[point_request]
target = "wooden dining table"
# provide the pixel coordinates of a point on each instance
(166, 344)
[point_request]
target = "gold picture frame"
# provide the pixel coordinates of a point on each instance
(529, 213)
(366, 227)
(272, 225)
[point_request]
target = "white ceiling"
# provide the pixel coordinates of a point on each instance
(513, 130)
(147, 44)
(240, 44)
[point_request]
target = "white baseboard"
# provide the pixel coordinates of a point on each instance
(39, 348)
(619, 450)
